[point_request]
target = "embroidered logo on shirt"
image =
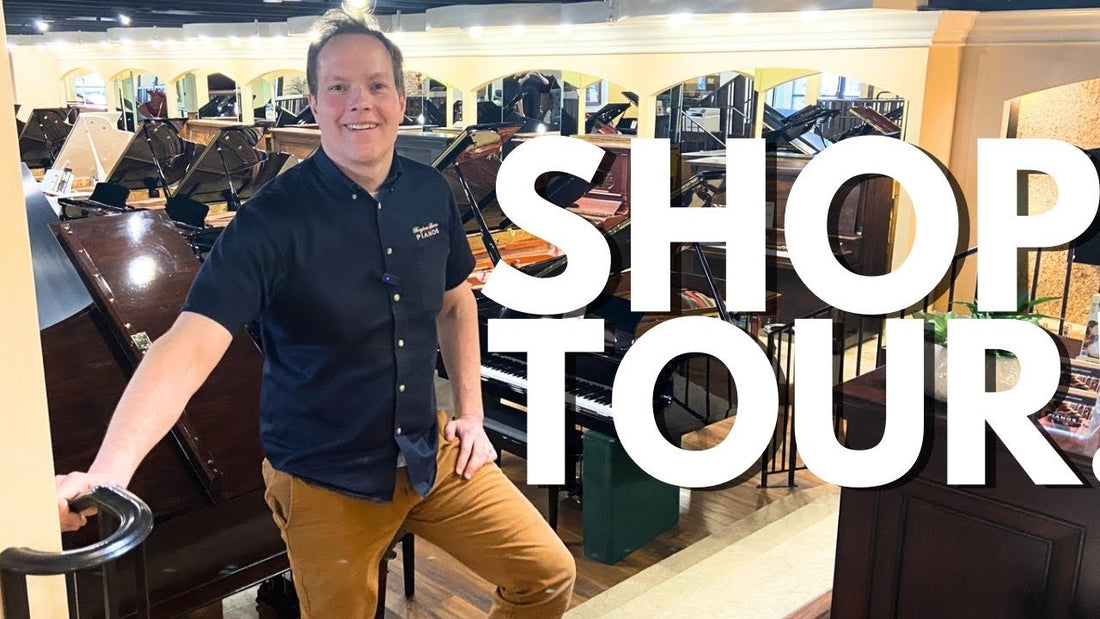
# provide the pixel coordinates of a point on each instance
(427, 231)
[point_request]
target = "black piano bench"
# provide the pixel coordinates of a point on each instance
(506, 428)
(277, 592)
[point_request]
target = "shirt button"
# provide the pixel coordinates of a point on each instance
(379, 206)
(354, 196)
(396, 297)
(398, 431)
(401, 388)
(389, 251)
(400, 343)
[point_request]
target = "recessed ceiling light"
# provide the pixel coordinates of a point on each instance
(124, 19)
(41, 25)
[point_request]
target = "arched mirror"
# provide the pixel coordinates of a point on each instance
(542, 99)
(224, 98)
(700, 114)
(280, 97)
(140, 95)
(428, 101)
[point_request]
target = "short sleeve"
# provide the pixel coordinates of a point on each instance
(239, 276)
(460, 258)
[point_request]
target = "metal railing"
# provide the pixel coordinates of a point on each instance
(135, 523)
(858, 347)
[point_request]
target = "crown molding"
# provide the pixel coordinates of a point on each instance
(1045, 26)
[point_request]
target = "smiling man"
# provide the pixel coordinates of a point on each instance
(354, 264)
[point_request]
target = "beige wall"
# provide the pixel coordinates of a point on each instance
(29, 514)
(1070, 113)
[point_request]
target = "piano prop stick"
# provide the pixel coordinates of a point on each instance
(43, 135)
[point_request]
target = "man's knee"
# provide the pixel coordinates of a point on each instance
(559, 568)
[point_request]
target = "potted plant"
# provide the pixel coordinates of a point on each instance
(1007, 366)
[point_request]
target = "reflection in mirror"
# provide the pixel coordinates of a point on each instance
(540, 98)
(608, 108)
(140, 95)
(808, 113)
(280, 98)
(700, 114)
(224, 98)
(86, 92)
(426, 100)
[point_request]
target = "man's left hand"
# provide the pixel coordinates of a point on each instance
(474, 448)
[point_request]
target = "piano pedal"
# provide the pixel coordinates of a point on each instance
(277, 594)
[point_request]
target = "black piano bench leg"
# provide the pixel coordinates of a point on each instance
(408, 563)
(552, 495)
(278, 594)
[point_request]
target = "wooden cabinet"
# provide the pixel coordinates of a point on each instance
(921, 548)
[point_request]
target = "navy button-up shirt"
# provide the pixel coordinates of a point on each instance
(346, 290)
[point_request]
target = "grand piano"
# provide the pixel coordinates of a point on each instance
(43, 135)
(859, 218)
(217, 177)
(107, 287)
(695, 390)
(155, 158)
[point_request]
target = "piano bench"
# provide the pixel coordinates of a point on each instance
(408, 566)
(277, 592)
(506, 428)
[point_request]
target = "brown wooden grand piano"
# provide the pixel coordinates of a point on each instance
(107, 286)
(859, 224)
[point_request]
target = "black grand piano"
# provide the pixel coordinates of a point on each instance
(229, 171)
(107, 287)
(41, 137)
(219, 106)
(694, 392)
(156, 158)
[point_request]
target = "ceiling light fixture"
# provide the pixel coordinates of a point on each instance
(124, 19)
(518, 30)
(475, 32)
(41, 25)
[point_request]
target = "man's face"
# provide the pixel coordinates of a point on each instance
(357, 106)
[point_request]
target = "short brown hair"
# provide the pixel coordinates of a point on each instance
(336, 22)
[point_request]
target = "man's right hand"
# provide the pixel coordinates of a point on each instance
(71, 486)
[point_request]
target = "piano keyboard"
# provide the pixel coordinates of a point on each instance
(587, 396)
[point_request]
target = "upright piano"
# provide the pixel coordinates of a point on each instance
(106, 288)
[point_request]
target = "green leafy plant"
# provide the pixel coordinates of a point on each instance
(1026, 312)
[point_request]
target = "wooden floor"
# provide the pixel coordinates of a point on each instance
(445, 588)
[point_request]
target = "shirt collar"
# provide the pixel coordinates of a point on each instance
(335, 176)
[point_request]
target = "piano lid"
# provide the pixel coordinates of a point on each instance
(219, 106)
(155, 144)
(43, 134)
(231, 163)
(58, 290)
(95, 136)
(796, 130)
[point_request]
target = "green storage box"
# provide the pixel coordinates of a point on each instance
(623, 506)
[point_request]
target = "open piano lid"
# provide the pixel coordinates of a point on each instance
(156, 143)
(231, 158)
(43, 135)
(94, 135)
(58, 290)
(797, 129)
